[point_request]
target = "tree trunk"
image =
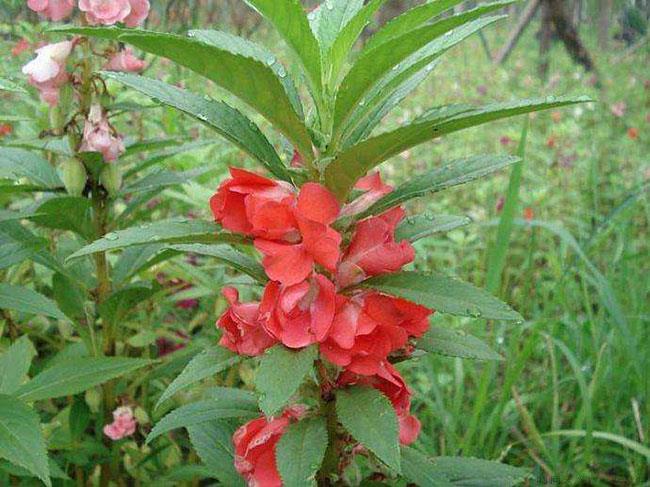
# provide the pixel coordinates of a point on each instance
(569, 35)
(605, 8)
(545, 40)
(523, 21)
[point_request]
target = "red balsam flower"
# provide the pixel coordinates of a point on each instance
(373, 250)
(368, 327)
(292, 232)
(243, 333)
(255, 447)
(301, 314)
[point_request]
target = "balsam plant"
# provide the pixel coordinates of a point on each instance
(322, 237)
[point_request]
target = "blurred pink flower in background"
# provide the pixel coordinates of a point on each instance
(505, 141)
(105, 12)
(123, 424)
(125, 61)
(99, 137)
(52, 9)
(21, 46)
(618, 109)
(139, 12)
(47, 71)
(110, 12)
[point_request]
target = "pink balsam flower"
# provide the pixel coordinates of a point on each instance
(47, 71)
(125, 61)
(110, 12)
(99, 137)
(123, 424)
(52, 9)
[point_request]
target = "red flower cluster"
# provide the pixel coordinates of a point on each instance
(304, 303)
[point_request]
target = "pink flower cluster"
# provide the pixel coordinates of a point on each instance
(98, 136)
(123, 425)
(98, 12)
(310, 297)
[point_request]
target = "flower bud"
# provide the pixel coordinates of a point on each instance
(73, 174)
(111, 179)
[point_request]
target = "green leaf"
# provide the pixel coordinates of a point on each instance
(365, 118)
(9, 215)
(475, 472)
(356, 161)
(66, 213)
(272, 381)
(206, 364)
(123, 301)
(18, 243)
(498, 250)
(240, 45)
(409, 20)
(212, 441)
(165, 231)
(340, 50)
(109, 33)
(420, 470)
(444, 294)
(160, 178)
(14, 364)
(8, 85)
(20, 163)
(300, 452)
(456, 343)
(224, 403)
(73, 376)
(56, 145)
(454, 173)
(247, 78)
(374, 63)
(25, 300)
(225, 120)
(136, 259)
(369, 416)
(327, 21)
(226, 254)
(21, 438)
(69, 295)
(290, 20)
(414, 228)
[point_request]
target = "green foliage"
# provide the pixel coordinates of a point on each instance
(456, 343)
(248, 78)
(444, 294)
(21, 439)
(14, 365)
(18, 163)
(76, 375)
(173, 231)
(369, 416)
(300, 452)
(207, 363)
(272, 381)
(212, 441)
(452, 174)
(224, 403)
(225, 120)
(25, 300)
(413, 228)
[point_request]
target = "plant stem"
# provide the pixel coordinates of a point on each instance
(100, 220)
(332, 458)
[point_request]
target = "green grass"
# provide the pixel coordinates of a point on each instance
(564, 401)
